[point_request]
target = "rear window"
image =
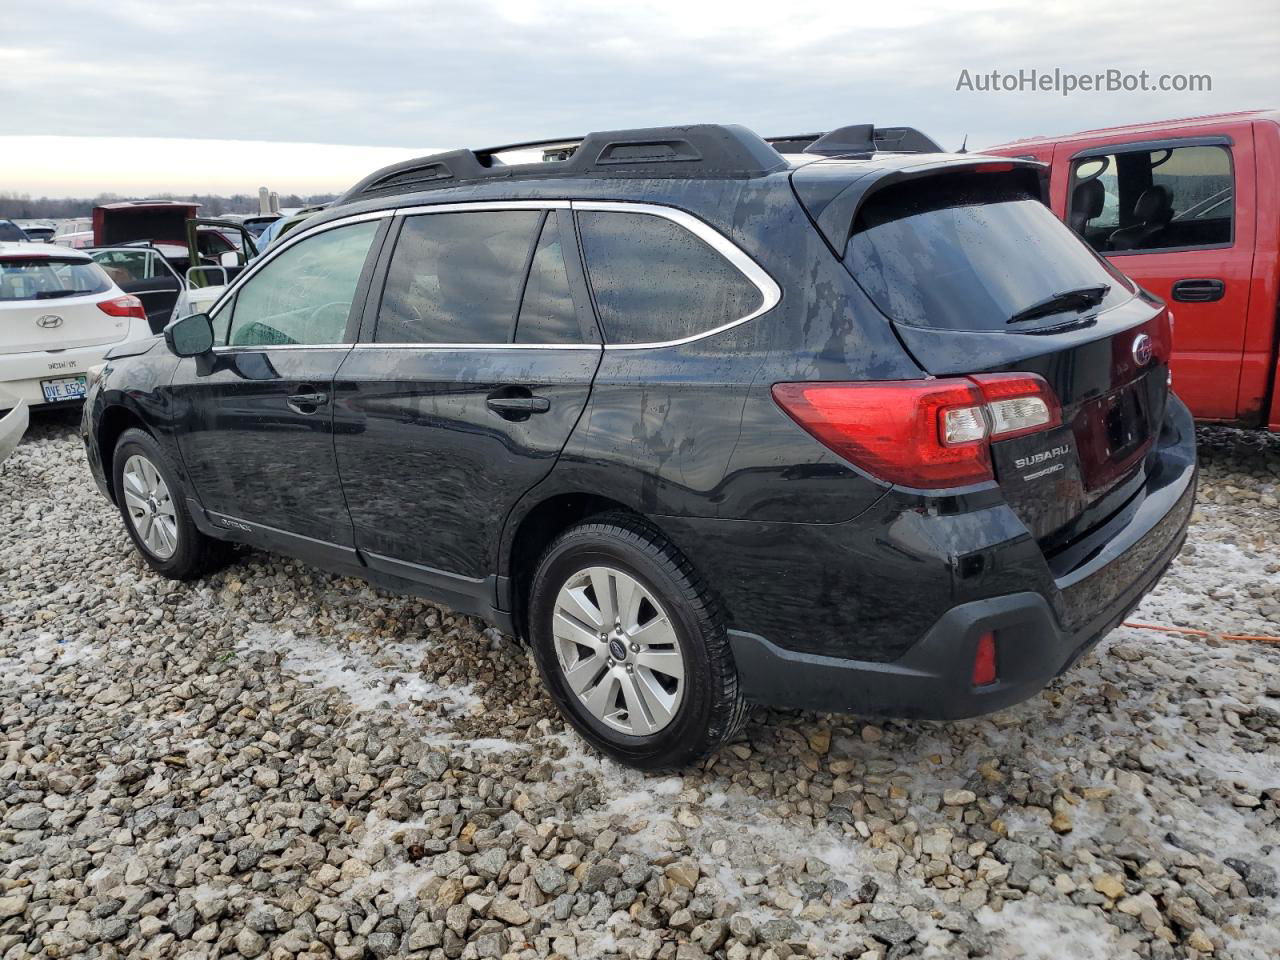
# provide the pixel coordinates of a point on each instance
(964, 253)
(654, 281)
(42, 278)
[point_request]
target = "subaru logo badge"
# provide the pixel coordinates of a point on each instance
(49, 321)
(1142, 350)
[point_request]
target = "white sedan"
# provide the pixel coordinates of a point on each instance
(59, 314)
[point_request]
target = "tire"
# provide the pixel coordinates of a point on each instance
(176, 548)
(638, 711)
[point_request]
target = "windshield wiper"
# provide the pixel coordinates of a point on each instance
(1081, 299)
(55, 294)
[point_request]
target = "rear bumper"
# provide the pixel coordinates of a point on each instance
(21, 373)
(1039, 632)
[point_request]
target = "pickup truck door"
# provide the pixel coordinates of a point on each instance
(1178, 215)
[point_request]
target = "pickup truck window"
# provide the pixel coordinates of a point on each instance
(1175, 198)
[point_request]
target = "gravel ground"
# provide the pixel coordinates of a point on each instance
(277, 762)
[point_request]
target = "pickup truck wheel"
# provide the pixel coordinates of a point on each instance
(154, 508)
(631, 646)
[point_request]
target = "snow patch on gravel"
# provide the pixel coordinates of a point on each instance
(367, 685)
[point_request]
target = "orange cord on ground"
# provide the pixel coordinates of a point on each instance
(1200, 633)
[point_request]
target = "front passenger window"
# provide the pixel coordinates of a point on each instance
(304, 295)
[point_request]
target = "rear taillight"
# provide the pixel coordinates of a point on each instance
(126, 306)
(929, 434)
(1017, 403)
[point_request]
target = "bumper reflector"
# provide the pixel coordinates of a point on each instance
(984, 661)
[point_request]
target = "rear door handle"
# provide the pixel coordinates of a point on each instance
(516, 403)
(307, 400)
(1199, 291)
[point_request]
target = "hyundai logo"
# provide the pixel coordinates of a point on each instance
(1142, 350)
(49, 321)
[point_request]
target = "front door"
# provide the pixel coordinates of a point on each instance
(1178, 217)
(472, 371)
(256, 430)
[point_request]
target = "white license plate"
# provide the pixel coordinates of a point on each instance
(64, 388)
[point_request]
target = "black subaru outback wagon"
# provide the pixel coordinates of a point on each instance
(707, 422)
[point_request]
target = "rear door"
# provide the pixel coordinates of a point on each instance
(145, 274)
(1178, 216)
(473, 367)
(255, 423)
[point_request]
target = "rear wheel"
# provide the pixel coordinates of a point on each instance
(154, 508)
(631, 646)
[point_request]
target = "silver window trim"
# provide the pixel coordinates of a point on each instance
(483, 205)
(770, 292)
(479, 346)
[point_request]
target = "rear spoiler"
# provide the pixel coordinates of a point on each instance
(832, 193)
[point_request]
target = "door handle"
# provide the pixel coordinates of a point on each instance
(307, 400)
(516, 403)
(1199, 291)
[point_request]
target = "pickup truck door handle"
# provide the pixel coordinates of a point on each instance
(307, 400)
(1199, 291)
(516, 403)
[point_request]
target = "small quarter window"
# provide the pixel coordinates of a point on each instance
(547, 313)
(655, 281)
(455, 277)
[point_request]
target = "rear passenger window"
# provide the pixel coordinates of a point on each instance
(655, 281)
(1165, 199)
(547, 314)
(455, 277)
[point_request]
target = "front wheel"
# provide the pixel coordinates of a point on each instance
(155, 511)
(631, 646)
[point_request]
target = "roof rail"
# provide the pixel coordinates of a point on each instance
(857, 138)
(697, 151)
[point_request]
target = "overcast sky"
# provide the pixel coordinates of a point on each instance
(415, 74)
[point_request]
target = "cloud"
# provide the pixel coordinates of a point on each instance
(388, 72)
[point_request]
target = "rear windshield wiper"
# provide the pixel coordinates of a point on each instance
(1081, 299)
(55, 294)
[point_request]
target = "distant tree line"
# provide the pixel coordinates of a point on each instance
(21, 207)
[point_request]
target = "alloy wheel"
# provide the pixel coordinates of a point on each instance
(150, 507)
(618, 650)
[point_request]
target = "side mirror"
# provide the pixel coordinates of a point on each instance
(190, 336)
(229, 258)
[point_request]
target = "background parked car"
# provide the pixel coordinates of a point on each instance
(13, 422)
(10, 232)
(38, 231)
(59, 313)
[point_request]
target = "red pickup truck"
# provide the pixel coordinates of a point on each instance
(1190, 209)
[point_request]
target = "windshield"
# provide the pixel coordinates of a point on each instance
(10, 231)
(968, 253)
(42, 278)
